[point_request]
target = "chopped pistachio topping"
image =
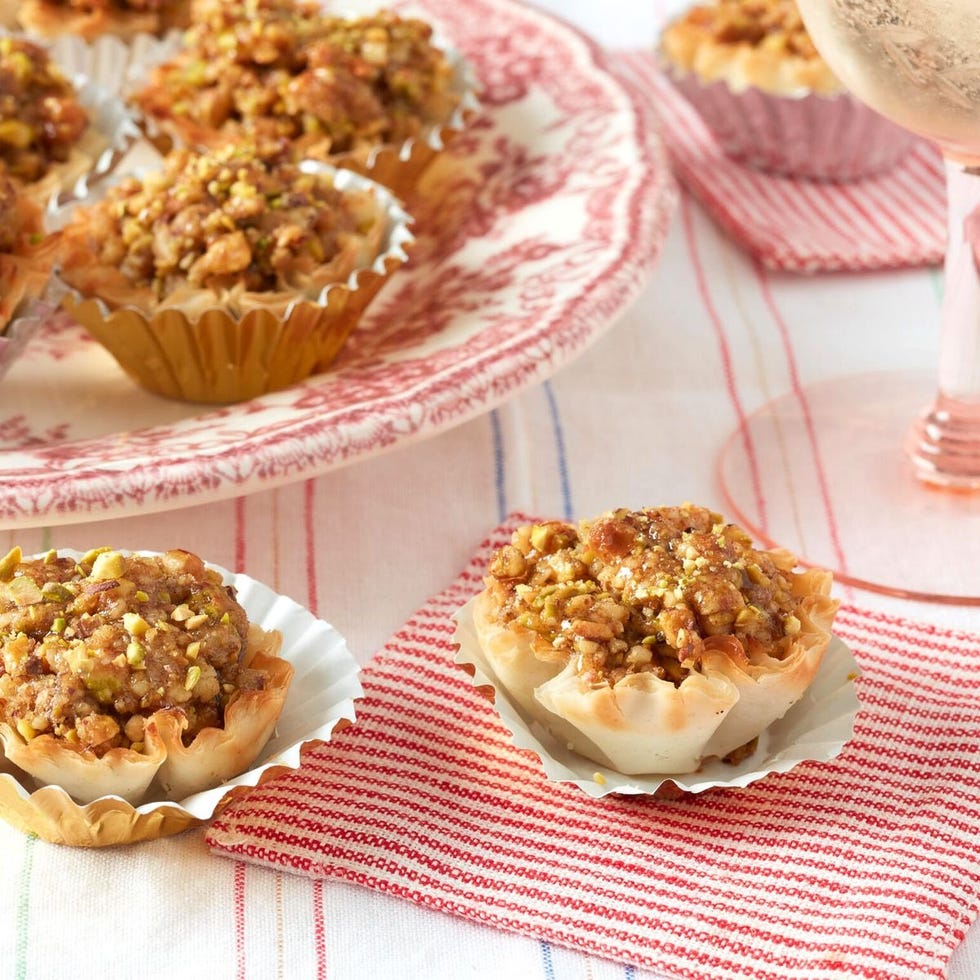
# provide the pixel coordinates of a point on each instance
(135, 624)
(9, 562)
(642, 591)
(108, 565)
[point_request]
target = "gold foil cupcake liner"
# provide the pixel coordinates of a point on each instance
(217, 355)
(400, 168)
(321, 701)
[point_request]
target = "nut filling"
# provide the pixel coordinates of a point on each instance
(240, 216)
(643, 591)
(40, 118)
(90, 649)
(328, 84)
(775, 25)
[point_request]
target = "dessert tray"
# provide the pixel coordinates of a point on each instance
(534, 232)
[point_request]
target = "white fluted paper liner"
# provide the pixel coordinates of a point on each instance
(109, 60)
(322, 696)
(111, 134)
(815, 729)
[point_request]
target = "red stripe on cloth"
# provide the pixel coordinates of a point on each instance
(239, 534)
(238, 886)
(309, 500)
(894, 220)
(319, 931)
(726, 364)
(864, 867)
(799, 392)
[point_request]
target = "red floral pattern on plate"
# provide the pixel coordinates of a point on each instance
(550, 210)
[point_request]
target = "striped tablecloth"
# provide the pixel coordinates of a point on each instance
(864, 866)
(637, 420)
(798, 225)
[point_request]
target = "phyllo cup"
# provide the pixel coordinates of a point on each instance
(230, 344)
(27, 260)
(169, 94)
(320, 701)
(111, 129)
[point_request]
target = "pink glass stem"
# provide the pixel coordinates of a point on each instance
(944, 443)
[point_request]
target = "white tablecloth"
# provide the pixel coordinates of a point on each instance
(637, 420)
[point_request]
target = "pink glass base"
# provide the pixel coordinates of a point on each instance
(943, 444)
(824, 473)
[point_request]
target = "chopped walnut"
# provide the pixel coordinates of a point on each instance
(642, 591)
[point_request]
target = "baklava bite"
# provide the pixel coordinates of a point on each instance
(131, 675)
(652, 640)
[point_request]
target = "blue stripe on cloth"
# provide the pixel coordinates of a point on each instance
(498, 464)
(499, 475)
(546, 961)
(566, 490)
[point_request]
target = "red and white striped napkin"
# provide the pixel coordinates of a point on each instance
(863, 867)
(892, 221)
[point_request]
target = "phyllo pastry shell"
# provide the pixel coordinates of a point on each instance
(751, 71)
(650, 641)
(90, 19)
(27, 254)
(374, 94)
(229, 274)
(131, 676)
(27, 257)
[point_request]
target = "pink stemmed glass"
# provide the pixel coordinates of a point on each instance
(902, 524)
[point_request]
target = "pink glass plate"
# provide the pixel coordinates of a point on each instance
(825, 476)
(553, 212)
